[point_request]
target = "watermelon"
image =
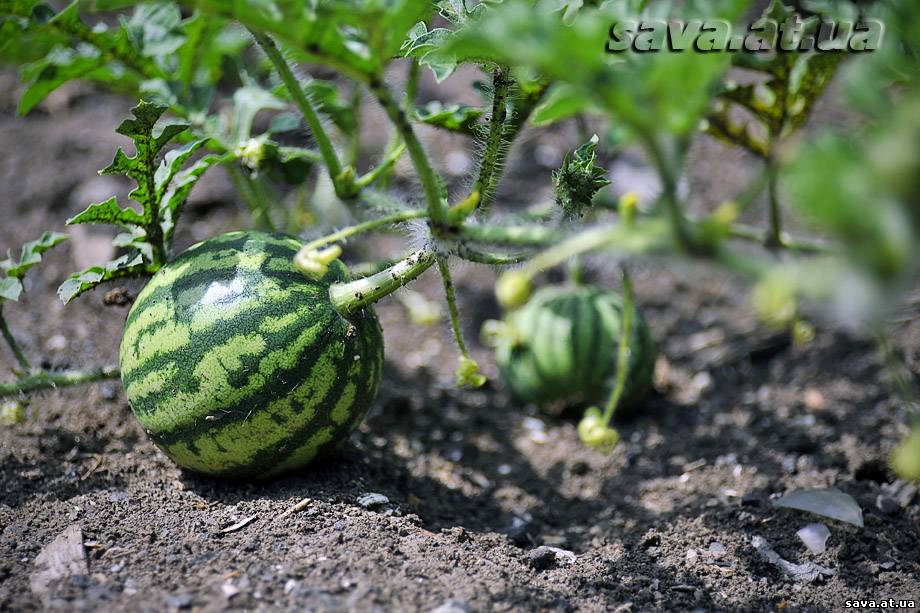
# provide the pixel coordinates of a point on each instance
(237, 365)
(560, 349)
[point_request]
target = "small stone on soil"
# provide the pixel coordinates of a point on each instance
(815, 537)
(545, 557)
(451, 606)
(887, 505)
(372, 499)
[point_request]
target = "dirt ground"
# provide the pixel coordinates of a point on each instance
(473, 483)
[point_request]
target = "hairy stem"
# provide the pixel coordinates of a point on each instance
(622, 349)
(41, 380)
(451, 298)
(349, 298)
(366, 226)
(11, 341)
(430, 181)
(302, 101)
(491, 156)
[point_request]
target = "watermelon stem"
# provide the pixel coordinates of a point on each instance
(349, 298)
(11, 341)
(43, 379)
(622, 349)
(331, 159)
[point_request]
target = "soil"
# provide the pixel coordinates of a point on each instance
(473, 482)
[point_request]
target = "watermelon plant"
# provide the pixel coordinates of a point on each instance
(200, 355)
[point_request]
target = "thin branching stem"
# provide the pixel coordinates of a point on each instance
(42, 379)
(431, 183)
(252, 196)
(451, 298)
(622, 349)
(383, 167)
(331, 159)
(366, 226)
(669, 193)
(774, 237)
(511, 236)
(11, 341)
(491, 258)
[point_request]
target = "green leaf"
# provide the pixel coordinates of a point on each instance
(10, 288)
(562, 101)
(60, 66)
(172, 163)
(425, 45)
(454, 117)
(661, 92)
(155, 28)
(178, 189)
(128, 265)
(107, 212)
(248, 101)
(31, 254)
(147, 143)
(579, 179)
(359, 37)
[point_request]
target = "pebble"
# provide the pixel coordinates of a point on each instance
(544, 557)
(451, 606)
(179, 601)
(372, 499)
(750, 499)
(887, 505)
(815, 537)
(523, 531)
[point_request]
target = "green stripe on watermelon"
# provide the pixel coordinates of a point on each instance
(238, 365)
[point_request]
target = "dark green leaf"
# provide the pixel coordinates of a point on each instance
(108, 212)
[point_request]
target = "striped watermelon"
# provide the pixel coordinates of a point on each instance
(561, 348)
(238, 366)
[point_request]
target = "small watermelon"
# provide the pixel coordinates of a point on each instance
(238, 366)
(561, 347)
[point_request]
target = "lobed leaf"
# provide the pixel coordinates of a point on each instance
(31, 254)
(107, 212)
(130, 264)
